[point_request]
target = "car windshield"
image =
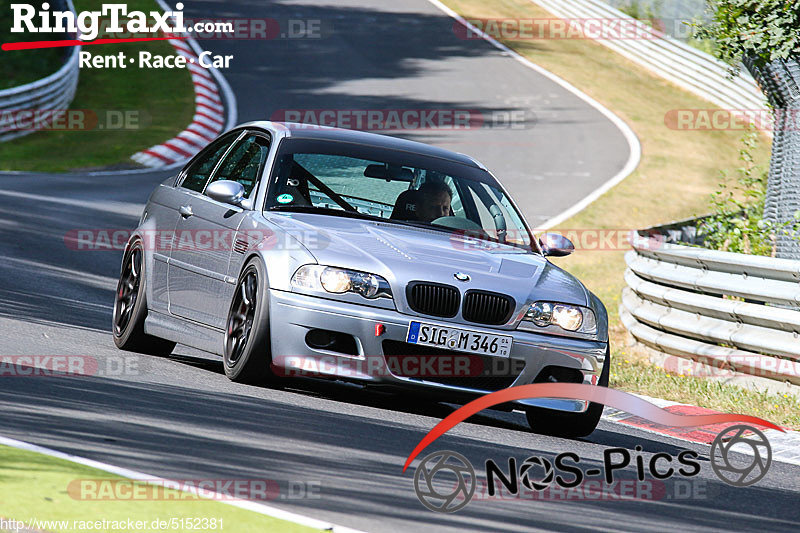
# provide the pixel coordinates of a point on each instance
(349, 179)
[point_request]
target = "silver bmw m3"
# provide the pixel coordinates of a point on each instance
(295, 250)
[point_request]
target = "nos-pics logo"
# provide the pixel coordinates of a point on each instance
(445, 481)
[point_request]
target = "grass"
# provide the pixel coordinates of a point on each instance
(162, 100)
(631, 373)
(36, 487)
(19, 69)
(678, 171)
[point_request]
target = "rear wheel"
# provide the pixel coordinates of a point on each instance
(247, 356)
(570, 425)
(130, 308)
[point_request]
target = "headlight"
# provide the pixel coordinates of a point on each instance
(567, 317)
(340, 280)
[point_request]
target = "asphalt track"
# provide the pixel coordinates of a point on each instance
(180, 418)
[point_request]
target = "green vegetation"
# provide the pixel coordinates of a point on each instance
(647, 14)
(19, 68)
(737, 221)
(764, 30)
(38, 487)
(159, 102)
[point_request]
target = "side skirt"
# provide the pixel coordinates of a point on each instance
(185, 332)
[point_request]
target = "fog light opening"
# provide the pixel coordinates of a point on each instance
(559, 374)
(332, 341)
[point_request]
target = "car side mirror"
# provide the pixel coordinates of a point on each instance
(226, 191)
(555, 245)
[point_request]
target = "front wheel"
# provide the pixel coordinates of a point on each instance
(247, 356)
(130, 308)
(570, 425)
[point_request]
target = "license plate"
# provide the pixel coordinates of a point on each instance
(458, 339)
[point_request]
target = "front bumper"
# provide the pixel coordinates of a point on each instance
(293, 315)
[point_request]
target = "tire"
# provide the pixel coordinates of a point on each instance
(570, 425)
(130, 308)
(247, 352)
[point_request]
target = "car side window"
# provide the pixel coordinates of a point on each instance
(244, 162)
(198, 173)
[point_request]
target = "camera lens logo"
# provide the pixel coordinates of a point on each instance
(545, 465)
(740, 470)
(454, 487)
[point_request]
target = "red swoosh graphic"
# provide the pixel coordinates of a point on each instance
(578, 391)
(73, 42)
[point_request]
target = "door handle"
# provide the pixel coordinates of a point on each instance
(186, 211)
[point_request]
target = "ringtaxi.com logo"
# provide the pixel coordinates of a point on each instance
(115, 21)
(87, 24)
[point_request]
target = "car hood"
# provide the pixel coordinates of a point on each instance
(402, 254)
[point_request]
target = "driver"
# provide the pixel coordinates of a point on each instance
(433, 201)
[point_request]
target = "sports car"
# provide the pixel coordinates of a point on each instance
(295, 250)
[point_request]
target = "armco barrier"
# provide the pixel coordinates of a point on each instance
(687, 67)
(719, 313)
(47, 95)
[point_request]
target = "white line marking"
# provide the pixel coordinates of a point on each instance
(627, 132)
(259, 508)
(109, 206)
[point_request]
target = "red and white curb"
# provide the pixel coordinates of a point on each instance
(214, 111)
(248, 505)
(785, 446)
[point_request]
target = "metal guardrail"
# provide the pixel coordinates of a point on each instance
(47, 98)
(718, 312)
(687, 67)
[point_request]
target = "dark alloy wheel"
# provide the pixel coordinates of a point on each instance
(247, 348)
(127, 290)
(240, 319)
(130, 308)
